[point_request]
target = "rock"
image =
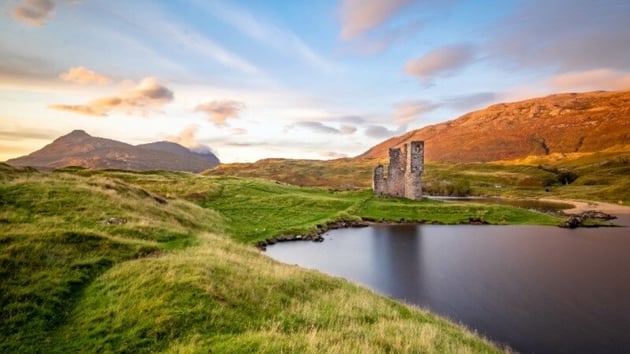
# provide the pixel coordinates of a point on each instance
(115, 221)
(572, 222)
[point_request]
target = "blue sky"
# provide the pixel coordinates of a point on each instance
(296, 79)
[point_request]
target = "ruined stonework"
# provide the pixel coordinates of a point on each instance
(404, 173)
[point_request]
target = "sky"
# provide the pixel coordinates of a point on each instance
(317, 79)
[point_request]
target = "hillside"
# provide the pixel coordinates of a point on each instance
(172, 274)
(562, 123)
(81, 149)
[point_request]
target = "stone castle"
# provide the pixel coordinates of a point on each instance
(404, 173)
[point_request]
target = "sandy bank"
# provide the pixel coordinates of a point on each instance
(582, 206)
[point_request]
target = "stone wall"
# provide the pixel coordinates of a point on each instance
(404, 172)
(413, 170)
(396, 173)
(378, 182)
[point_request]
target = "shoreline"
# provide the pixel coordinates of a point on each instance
(581, 206)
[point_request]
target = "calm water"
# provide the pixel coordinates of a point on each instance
(538, 289)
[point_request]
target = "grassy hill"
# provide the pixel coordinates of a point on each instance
(599, 176)
(161, 261)
(556, 124)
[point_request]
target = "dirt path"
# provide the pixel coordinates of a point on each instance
(582, 205)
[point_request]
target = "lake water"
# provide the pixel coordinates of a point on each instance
(535, 288)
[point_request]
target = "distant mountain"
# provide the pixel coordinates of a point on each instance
(81, 149)
(562, 123)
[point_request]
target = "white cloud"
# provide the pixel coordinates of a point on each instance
(82, 75)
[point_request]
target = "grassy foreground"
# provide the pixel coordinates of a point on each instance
(181, 275)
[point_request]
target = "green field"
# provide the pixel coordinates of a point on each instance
(182, 274)
(602, 176)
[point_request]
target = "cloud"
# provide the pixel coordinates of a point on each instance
(201, 44)
(347, 129)
(360, 16)
(407, 112)
(565, 35)
(34, 12)
(323, 128)
(443, 62)
(332, 155)
(147, 96)
(239, 131)
(188, 138)
(472, 101)
(219, 112)
(267, 33)
(597, 79)
(23, 134)
(84, 76)
(351, 119)
(380, 132)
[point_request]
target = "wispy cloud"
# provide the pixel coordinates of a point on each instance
(148, 96)
(360, 16)
(408, 111)
(319, 127)
(332, 155)
(33, 12)
(441, 62)
(566, 35)
(203, 45)
(381, 132)
(219, 112)
(22, 134)
(471, 101)
(84, 76)
(238, 131)
(597, 79)
(267, 33)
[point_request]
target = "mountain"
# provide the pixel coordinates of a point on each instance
(561, 123)
(81, 149)
(167, 146)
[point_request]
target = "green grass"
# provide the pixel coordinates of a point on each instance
(601, 176)
(170, 280)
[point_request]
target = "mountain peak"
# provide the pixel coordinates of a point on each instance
(78, 148)
(76, 134)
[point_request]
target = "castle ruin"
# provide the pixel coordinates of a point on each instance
(404, 172)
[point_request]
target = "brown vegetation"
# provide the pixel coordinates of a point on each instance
(556, 124)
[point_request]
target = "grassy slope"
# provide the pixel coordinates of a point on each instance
(167, 280)
(601, 176)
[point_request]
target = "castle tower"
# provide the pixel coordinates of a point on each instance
(396, 173)
(378, 182)
(414, 167)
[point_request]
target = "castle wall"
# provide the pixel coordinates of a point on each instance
(396, 173)
(413, 170)
(378, 182)
(404, 172)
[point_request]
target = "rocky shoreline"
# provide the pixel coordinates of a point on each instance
(364, 222)
(581, 219)
(573, 221)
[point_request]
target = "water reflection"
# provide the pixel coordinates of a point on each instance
(538, 289)
(400, 247)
